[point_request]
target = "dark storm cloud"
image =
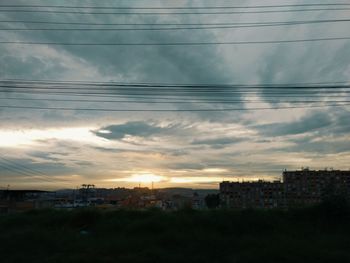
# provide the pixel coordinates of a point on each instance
(319, 133)
(217, 143)
(321, 147)
(131, 64)
(149, 64)
(44, 155)
(84, 163)
(107, 150)
(137, 128)
(56, 158)
(28, 66)
(186, 165)
(309, 123)
(333, 124)
(341, 123)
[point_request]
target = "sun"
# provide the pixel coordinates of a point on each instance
(147, 178)
(142, 177)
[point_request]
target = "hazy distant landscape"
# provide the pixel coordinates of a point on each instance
(318, 234)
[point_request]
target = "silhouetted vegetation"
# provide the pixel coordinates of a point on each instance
(306, 235)
(212, 200)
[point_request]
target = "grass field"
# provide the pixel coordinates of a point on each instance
(311, 235)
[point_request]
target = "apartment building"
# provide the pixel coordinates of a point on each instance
(258, 194)
(298, 188)
(307, 187)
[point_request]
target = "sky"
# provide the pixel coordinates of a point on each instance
(53, 149)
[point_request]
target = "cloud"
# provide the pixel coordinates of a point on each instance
(217, 143)
(310, 123)
(30, 167)
(323, 146)
(135, 128)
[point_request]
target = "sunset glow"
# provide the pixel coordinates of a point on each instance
(27, 137)
(140, 178)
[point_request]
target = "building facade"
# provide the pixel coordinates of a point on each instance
(298, 188)
(307, 187)
(259, 194)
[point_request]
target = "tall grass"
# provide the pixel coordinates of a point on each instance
(305, 235)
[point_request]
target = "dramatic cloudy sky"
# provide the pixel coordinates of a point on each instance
(192, 149)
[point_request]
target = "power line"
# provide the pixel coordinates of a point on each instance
(179, 94)
(176, 28)
(155, 87)
(176, 102)
(13, 169)
(157, 84)
(183, 92)
(27, 169)
(177, 24)
(169, 97)
(17, 167)
(174, 7)
(178, 43)
(158, 88)
(170, 110)
(172, 13)
(200, 96)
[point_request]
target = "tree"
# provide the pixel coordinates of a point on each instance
(212, 200)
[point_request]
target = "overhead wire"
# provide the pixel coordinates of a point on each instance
(27, 169)
(135, 90)
(214, 26)
(174, 7)
(167, 84)
(175, 101)
(167, 87)
(171, 110)
(18, 168)
(16, 171)
(185, 92)
(262, 23)
(163, 97)
(173, 13)
(177, 43)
